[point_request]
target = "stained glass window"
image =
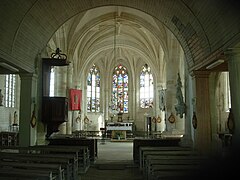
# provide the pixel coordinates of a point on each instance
(146, 87)
(120, 89)
(93, 90)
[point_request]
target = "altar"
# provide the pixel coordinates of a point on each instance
(118, 130)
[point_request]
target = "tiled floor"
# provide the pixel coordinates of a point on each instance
(115, 162)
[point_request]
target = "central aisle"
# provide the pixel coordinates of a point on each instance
(114, 162)
(115, 151)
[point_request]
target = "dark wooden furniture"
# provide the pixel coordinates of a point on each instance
(81, 152)
(54, 109)
(73, 159)
(137, 143)
(54, 112)
(12, 173)
(8, 138)
(39, 162)
(91, 143)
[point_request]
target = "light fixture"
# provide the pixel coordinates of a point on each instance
(215, 63)
(9, 67)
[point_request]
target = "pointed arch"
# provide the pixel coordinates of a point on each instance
(120, 89)
(146, 87)
(93, 89)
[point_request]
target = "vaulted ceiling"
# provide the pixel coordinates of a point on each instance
(205, 29)
(111, 34)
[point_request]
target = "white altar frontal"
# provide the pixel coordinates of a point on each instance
(119, 129)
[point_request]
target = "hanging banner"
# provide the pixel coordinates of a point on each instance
(75, 99)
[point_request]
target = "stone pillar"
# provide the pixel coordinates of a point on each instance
(170, 102)
(76, 122)
(107, 103)
(160, 110)
(27, 133)
(131, 109)
(187, 137)
(234, 80)
(203, 130)
(69, 85)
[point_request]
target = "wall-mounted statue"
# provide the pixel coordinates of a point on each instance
(230, 122)
(180, 107)
(162, 99)
(1, 98)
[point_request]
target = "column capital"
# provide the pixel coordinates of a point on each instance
(230, 52)
(28, 75)
(202, 74)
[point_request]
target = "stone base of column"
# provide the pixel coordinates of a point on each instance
(186, 141)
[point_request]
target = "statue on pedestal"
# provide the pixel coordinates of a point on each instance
(15, 118)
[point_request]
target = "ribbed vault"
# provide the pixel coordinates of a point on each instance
(205, 29)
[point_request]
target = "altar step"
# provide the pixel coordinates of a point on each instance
(122, 140)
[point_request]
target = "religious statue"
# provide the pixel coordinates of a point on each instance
(15, 118)
(180, 107)
(1, 98)
(162, 99)
(230, 122)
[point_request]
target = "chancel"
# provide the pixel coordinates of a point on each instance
(138, 88)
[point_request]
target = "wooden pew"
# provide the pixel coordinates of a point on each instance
(161, 151)
(9, 173)
(82, 153)
(140, 142)
(161, 148)
(74, 141)
(172, 171)
(166, 153)
(70, 160)
(79, 155)
(73, 153)
(56, 169)
(39, 159)
(80, 164)
(174, 174)
(154, 161)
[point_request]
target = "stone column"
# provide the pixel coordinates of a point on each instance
(27, 133)
(203, 130)
(106, 100)
(187, 138)
(131, 109)
(234, 80)
(76, 122)
(170, 101)
(69, 85)
(160, 112)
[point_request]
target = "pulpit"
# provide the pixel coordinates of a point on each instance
(54, 109)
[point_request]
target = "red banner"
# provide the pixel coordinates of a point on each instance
(75, 99)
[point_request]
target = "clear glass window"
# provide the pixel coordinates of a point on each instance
(146, 87)
(93, 90)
